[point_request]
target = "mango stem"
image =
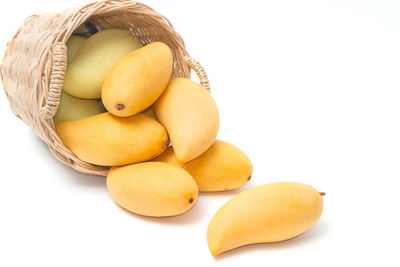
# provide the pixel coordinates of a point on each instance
(322, 194)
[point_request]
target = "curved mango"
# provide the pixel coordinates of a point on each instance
(190, 115)
(267, 213)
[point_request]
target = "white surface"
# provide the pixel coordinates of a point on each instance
(309, 90)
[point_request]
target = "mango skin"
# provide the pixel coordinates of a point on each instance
(190, 115)
(73, 44)
(168, 156)
(267, 213)
(88, 70)
(73, 108)
(152, 189)
(222, 167)
(108, 140)
(137, 80)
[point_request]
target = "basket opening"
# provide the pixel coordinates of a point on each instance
(144, 23)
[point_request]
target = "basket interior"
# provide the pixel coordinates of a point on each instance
(148, 26)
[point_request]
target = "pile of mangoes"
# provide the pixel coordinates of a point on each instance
(121, 108)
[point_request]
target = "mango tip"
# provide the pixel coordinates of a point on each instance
(214, 252)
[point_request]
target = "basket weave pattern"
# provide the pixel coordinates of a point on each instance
(34, 63)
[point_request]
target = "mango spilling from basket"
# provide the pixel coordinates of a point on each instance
(121, 108)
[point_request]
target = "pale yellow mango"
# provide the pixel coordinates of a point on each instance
(152, 188)
(73, 108)
(137, 80)
(222, 167)
(190, 115)
(86, 73)
(108, 140)
(267, 213)
(73, 44)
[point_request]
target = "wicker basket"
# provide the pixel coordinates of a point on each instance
(38, 49)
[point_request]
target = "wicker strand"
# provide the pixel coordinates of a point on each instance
(201, 73)
(58, 69)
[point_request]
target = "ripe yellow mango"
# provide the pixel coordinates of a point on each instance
(137, 80)
(94, 60)
(73, 108)
(73, 44)
(267, 213)
(190, 115)
(222, 167)
(152, 188)
(108, 140)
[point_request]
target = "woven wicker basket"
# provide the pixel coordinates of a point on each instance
(38, 50)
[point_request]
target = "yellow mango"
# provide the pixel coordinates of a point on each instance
(222, 167)
(152, 188)
(73, 108)
(73, 44)
(86, 73)
(190, 115)
(137, 80)
(108, 140)
(267, 213)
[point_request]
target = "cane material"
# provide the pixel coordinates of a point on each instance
(34, 63)
(201, 73)
(59, 57)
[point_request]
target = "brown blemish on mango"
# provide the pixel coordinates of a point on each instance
(120, 106)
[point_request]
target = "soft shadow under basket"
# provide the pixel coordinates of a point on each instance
(37, 54)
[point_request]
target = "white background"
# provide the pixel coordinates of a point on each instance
(308, 89)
